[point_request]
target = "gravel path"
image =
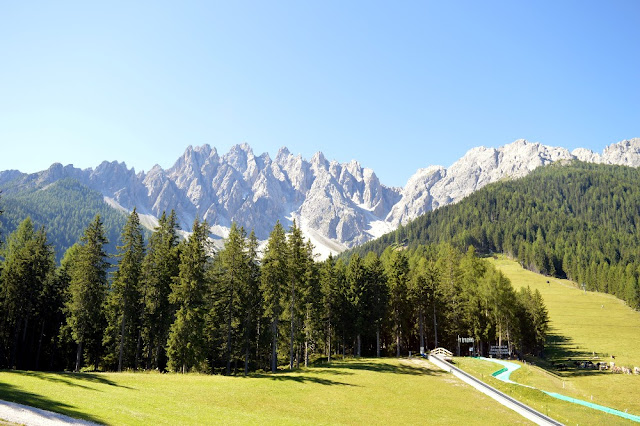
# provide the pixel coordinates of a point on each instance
(23, 414)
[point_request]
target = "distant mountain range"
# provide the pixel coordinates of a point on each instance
(337, 205)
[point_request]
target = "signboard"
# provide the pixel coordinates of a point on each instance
(499, 350)
(465, 339)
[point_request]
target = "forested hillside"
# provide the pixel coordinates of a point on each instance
(574, 220)
(65, 208)
(177, 305)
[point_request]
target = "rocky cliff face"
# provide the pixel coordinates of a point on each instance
(436, 186)
(336, 205)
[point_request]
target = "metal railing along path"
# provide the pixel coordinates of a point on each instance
(509, 402)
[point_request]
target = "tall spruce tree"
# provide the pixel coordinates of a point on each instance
(379, 294)
(186, 346)
(358, 292)
(251, 300)
(63, 344)
(233, 278)
(311, 299)
(159, 268)
(124, 304)
(330, 301)
(273, 284)
(296, 268)
(88, 289)
(26, 280)
(398, 277)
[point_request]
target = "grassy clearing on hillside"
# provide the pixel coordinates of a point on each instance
(582, 324)
(565, 412)
(362, 391)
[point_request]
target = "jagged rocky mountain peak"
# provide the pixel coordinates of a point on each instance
(337, 205)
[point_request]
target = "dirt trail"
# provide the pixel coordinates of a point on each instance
(25, 415)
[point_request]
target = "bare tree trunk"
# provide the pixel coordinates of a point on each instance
(435, 326)
(121, 342)
(297, 356)
(78, 357)
(421, 324)
(274, 347)
(246, 357)
(292, 329)
(258, 340)
(24, 332)
(329, 351)
(358, 345)
(378, 340)
(14, 347)
(229, 326)
(39, 345)
(138, 349)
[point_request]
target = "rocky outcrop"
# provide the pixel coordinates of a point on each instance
(337, 205)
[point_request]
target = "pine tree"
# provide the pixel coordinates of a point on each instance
(330, 300)
(233, 278)
(297, 267)
(26, 279)
(159, 269)
(419, 293)
(273, 284)
(124, 304)
(186, 346)
(398, 276)
(379, 294)
(88, 289)
(311, 300)
(251, 300)
(63, 343)
(358, 295)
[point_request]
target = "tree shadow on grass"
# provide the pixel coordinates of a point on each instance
(70, 379)
(299, 379)
(563, 357)
(11, 393)
(381, 367)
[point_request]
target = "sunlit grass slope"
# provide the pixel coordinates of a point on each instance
(365, 391)
(564, 412)
(582, 325)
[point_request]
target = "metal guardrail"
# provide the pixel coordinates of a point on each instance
(523, 409)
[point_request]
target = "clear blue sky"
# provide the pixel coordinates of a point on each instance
(397, 85)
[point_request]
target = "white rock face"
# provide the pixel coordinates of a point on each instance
(336, 205)
(625, 153)
(435, 186)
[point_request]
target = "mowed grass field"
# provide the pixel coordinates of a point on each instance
(565, 412)
(581, 323)
(584, 326)
(359, 391)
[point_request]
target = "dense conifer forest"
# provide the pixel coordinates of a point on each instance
(579, 220)
(177, 305)
(65, 208)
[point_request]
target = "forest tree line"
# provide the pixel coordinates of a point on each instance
(580, 221)
(176, 304)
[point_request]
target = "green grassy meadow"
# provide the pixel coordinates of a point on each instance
(362, 391)
(373, 391)
(565, 412)
(583, 325)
